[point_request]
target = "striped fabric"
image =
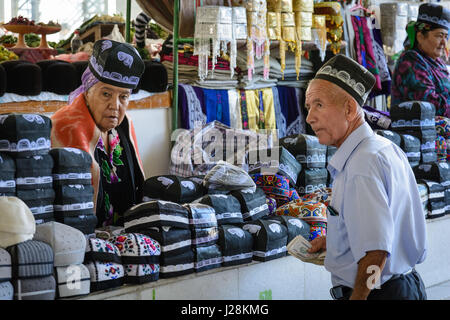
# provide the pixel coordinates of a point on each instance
(140, 24)
(31, 259)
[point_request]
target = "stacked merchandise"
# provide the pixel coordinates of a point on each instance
(303, 10)
(334, 23)
(277, 160)
(168, 224)
(269, 239)
(32, 271)
(74, 204)
(417, 118)
(257, 80)
(253, 203)
(295, 226)
(290, 78)
(423, 193)
(312, 156)
(436, 176)
(26, 138)
(69, 246)
(104, 262)
(276, 187)
(394, 18)
(442, 138)
(391, 135)
(226, 207)
(311, 211)
(172, 188)
(140, 257)
(411, 146)
(235, 244)
(7, 175)
(6, 288)
(205, 236)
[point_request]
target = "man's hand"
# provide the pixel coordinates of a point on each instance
(318, 244)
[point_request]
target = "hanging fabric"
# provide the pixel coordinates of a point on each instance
(319, 34)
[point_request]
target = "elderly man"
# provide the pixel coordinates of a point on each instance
(376, 227)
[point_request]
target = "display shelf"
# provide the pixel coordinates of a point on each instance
(156, 100)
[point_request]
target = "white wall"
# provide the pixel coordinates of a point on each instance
(153, 128)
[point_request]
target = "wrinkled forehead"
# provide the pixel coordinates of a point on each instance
(102, 86)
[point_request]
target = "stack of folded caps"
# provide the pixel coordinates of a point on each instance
(74, 206)
(23, 77)
(253, 203)
(394, 18)
(411, 146)
(104, 262)
(423, 193)
(172, 188)
(140, 257)
(226, 207)
(295, 226)
(438, 172)
(16, 222)
(311, 211)
(7, 175)
(6, 288)
(277, 160)
(436, 204)
(69, 246)
(24, 135)
(34, 185)
(269, 239)
(417, 118)
(235, 244)
(312, 155)
(391, 135)
(275, 187)
(205, 235)
(32, 271)
(168, 224)
(71, 166)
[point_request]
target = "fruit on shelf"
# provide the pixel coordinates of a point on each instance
(6, 55)
(8, 39)
(21, 21)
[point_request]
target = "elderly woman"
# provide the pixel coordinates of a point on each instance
(420, 73)
(95, 121)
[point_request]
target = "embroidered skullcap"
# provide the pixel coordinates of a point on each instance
(435, 15)
(115, 63)
(349, 75)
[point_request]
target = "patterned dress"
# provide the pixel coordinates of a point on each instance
(114, 179)
(419, 77)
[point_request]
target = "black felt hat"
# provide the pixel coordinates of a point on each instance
(435, 15)
(81, 67)
(115, 63)
(58, 76)
(23, 77)
(349, 75)
(2, 80)
(154, 78)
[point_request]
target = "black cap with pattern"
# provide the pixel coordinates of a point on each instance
(435, 15)
(349, 75)
(115, 63)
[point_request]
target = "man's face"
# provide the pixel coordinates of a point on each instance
(326, 112)
(107, 104)
(433, 43)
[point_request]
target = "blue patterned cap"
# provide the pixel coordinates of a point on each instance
(434, 14)
(115, 63)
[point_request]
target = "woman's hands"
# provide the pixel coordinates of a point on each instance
(318, 244)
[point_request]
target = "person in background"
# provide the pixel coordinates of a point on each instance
(95, 121)
(375, 223)
(420, 73)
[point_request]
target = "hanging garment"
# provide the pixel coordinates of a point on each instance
(279, 116)
(235, 109)
(217, 107)
(190, 107)
(289, 109)
(364, 48)
(260, 109)
(380, 59)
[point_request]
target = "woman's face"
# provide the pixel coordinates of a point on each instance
(433, 43)
(107, 104)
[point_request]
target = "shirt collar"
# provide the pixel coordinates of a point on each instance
(339, 159)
